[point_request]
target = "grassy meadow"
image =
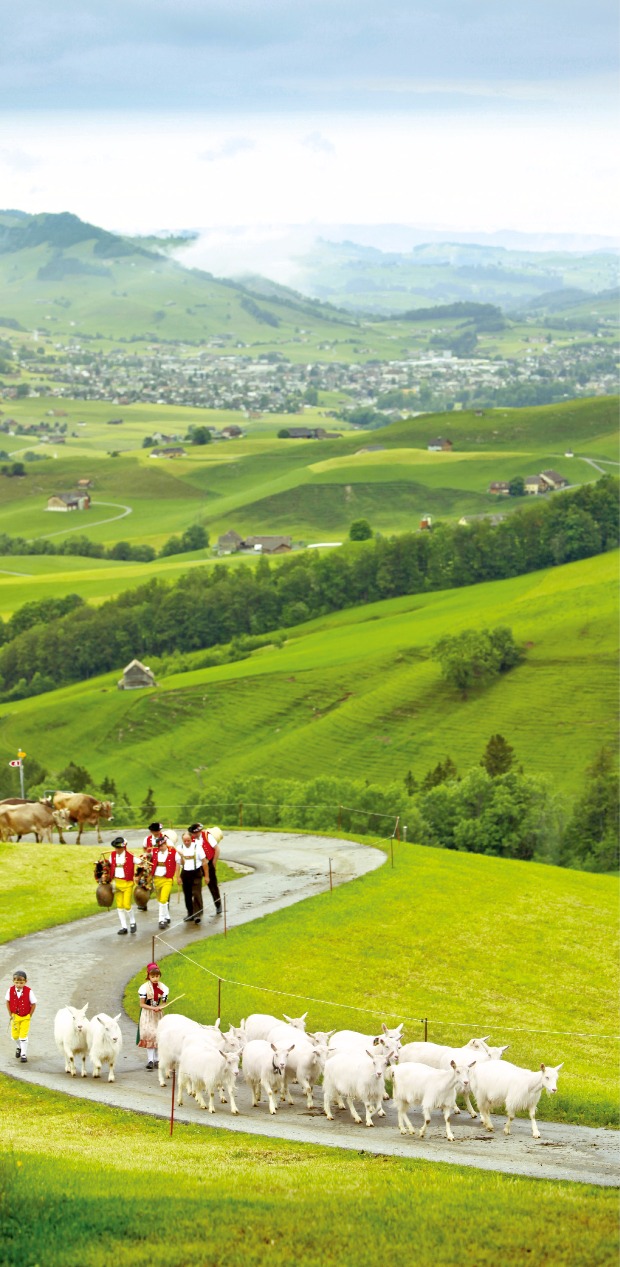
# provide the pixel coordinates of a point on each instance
(311, 491)
(355, 693)
(238, 1201)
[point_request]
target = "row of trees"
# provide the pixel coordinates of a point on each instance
(495, 808)
(194, 538)
(207, 607)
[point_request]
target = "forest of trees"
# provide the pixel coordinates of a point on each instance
(212, 606)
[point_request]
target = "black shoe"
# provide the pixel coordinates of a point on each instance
(162, 923)
(218, 908)
(122, 932)
(168, 921)
(197, 919)
(188, 918)
(133, 928)
(156, 1064)
(18, 1054)
(24, 1060)
(150, 1066)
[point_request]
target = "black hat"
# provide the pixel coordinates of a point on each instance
(194, 827)
(156, 826)
(118, 842)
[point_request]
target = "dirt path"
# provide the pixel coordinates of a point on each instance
(286, 869)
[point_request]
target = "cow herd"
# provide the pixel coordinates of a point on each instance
(55, 812)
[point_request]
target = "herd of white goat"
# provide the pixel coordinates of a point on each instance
(276, 1054)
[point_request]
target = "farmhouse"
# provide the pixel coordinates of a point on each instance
(269, 545)
(230, 542)
(501, 487)
(135, 676)
(439, 446)
(303, 433)
(553, 479)
(68, 501)
(173, 451)
(534, 485)
(231, 433)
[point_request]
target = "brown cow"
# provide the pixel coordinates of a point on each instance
(84, 810)
(21, 818)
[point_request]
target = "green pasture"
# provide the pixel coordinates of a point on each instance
(356, 693)
(82, 1185)
(304, 489)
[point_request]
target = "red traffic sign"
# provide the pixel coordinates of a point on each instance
(15, 763)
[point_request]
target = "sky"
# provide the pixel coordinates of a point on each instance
(450, 114)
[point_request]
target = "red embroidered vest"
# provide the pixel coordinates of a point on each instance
(128, 868)
(170, 863)
(207, 846)
(20, 1006)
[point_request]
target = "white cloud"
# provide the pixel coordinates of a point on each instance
(228, 149)
(318, 143)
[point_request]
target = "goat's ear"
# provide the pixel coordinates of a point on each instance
(84, 1009)
(453, 1064)
(370, 1053)
(542, 1068)
(117, 1017)
(384, 1027)
(302, 1018)
(471, 1064)
(558, 1067)
(287, 1019)
(273, 1047)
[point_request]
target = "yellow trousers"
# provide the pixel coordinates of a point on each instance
(163, 888)
(19, 1026)
(123, 894)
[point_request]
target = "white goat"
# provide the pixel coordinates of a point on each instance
(416, 1085)
(439, 1056)
(263, 1067)
(72, 1036)
(172, 1032)
(202, 1068)
(259, 1023)
(498, 1082)
(355, 1075)
(106, 1043)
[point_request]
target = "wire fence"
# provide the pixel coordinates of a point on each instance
(299, 815)
(382, 1013)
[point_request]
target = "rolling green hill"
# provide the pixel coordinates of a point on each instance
(356, 694)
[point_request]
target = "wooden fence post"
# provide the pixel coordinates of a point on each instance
(241, 813)
(174, 1083)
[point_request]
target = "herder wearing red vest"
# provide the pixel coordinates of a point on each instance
(164, 863)
(20, 1005)
(122, 876)
(210, 839)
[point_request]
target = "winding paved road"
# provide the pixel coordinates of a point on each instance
(286, 869)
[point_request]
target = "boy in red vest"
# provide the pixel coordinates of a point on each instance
(20, 1005)
(164, 861)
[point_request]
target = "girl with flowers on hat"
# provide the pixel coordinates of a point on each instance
(152, 996)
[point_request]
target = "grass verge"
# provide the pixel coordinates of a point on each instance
(94, 1185)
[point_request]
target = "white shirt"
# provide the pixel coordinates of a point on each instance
(119, 869)
(192, 855)
(19, 991)
(144, 993)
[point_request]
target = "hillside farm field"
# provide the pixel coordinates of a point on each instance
(356, 694)
(310, 491)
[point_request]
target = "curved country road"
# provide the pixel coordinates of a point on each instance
(286, 869)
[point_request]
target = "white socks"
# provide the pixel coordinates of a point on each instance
(23, 1045)
(122, 917)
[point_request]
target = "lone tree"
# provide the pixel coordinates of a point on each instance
(591, 838)
(360, 530)
(474, 657)
(498, 756)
